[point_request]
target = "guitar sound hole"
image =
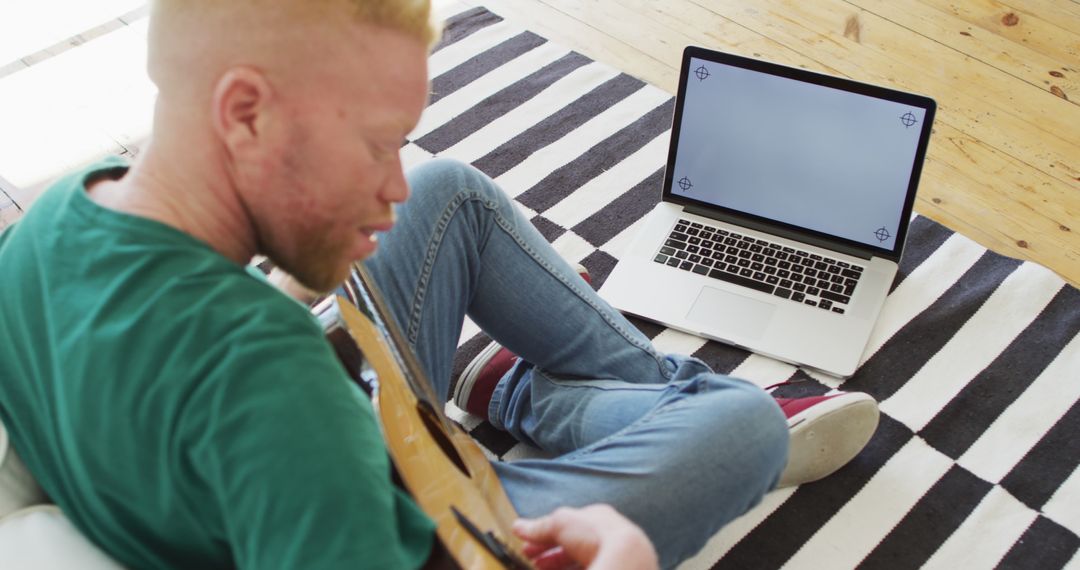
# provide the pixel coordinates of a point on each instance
(431, 422)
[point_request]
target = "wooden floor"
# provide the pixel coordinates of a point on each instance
(1004, 162)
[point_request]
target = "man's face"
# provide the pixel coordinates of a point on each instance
(336, 173)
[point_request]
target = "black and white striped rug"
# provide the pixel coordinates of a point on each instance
(976, 358)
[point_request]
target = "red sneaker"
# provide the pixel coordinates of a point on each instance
(477, 382)
(826, 433)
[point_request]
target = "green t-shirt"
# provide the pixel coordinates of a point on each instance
(182, 412)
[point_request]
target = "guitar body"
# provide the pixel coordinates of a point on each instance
(436, 461)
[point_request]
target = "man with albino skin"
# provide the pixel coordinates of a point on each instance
(185, 413)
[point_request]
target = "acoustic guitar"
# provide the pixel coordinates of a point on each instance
(435, 460)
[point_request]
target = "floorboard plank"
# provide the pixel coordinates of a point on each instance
(1034, 63)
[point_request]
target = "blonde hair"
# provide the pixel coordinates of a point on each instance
(412, 17)
(192, 41)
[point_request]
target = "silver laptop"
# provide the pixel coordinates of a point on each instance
(785, 206)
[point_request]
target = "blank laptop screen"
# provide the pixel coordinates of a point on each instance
(807, 155)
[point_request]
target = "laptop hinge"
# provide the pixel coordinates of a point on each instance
(778, 231)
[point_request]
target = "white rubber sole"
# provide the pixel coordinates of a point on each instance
(825, 437)
(464, 385)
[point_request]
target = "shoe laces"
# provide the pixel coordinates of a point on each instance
(773, 387)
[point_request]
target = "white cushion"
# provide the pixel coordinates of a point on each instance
(17, 486)
(42, 538)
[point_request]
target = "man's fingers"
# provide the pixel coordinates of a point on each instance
(571, 529)
(535, 530)
(596, 536)
(555, 559)
(535, 549)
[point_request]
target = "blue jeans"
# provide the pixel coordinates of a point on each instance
(678, 449)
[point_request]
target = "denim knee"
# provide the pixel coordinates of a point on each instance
(724, 452)
(443, 179)
(740, 426)
(759, 412)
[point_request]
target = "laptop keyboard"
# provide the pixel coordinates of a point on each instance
(800, 276)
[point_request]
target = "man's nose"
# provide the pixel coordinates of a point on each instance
(396, 189)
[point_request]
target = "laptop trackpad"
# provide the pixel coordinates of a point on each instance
(721, 310)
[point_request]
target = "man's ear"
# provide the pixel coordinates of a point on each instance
(242, 107)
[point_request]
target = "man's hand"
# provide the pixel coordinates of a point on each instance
(596, 537)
